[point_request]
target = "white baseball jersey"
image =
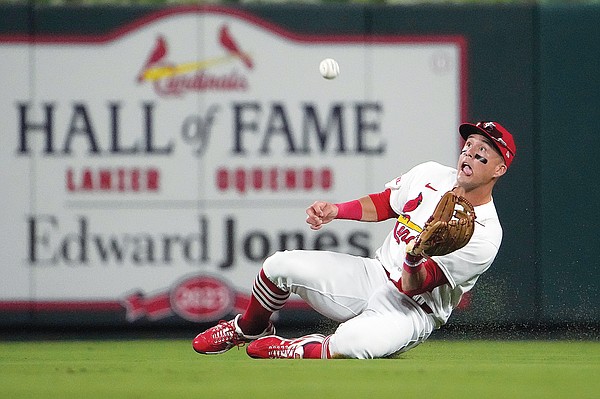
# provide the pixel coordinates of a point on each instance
(414, 196)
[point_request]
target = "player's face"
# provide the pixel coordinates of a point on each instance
(479, 163)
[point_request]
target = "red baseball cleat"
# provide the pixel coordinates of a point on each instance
(274, 347)
(224, 336)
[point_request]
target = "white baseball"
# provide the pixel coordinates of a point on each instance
(329, 68)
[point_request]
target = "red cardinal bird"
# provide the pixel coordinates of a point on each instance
(231, 46)
(160, 50)
(412, 204)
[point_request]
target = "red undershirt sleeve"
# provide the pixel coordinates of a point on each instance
(435, 278)
(382, 205)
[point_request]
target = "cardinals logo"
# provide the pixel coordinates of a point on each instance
(405, 228)
(175, 79)
(413, 204)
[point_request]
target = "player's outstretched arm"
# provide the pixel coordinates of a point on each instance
(322, 212)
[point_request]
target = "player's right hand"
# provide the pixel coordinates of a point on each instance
(320, 213)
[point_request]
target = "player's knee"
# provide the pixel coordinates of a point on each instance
(274, 264)
(284, 268)
(281, 267)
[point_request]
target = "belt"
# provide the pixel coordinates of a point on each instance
(425, 308)
(423, 305)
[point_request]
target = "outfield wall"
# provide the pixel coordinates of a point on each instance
(152, 157)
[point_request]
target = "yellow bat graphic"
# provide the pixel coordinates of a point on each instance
(162, 72)
(406, 222)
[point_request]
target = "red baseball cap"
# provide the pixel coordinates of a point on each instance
(501, 137)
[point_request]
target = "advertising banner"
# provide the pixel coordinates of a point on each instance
(149, 171)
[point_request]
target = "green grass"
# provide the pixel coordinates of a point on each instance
(170, 369)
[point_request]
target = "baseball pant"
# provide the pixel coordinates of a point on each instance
(377, 320)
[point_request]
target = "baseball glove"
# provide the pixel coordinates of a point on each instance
(449, 228)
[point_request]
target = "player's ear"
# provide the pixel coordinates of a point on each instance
(500, 170)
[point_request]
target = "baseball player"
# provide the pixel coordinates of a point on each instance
(392, 303)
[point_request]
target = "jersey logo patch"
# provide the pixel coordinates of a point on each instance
(403, 231)
(413, 204)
